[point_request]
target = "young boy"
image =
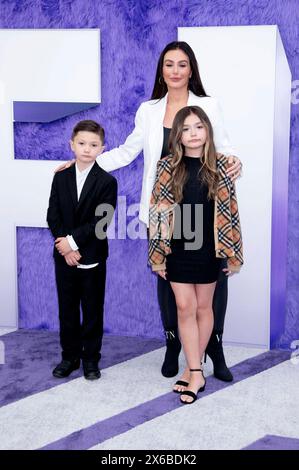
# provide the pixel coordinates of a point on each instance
(80, 256)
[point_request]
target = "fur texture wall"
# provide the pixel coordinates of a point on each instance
(133, 33)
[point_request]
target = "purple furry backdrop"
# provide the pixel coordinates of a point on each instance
(132, 37)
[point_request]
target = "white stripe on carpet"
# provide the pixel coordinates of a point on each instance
(44, 417)
(231, 418)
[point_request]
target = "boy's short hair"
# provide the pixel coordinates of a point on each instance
(90, 126)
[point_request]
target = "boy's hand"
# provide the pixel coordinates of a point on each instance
(63, 246)
(72, 258)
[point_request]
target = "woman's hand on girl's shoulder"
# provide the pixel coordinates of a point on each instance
(234, 169)
(64, 166)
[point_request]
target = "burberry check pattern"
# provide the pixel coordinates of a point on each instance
(227, 229)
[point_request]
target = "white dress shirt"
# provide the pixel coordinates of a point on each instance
(80, 180)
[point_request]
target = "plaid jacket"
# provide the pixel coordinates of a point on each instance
(227, 230)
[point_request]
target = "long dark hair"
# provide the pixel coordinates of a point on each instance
(195, 84)
(208, 173)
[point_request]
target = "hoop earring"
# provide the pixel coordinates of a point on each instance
(160, 80)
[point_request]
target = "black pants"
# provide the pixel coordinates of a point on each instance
(168, 307)
(85, 287)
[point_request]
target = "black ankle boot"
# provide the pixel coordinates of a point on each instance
(215, 352)
(170, 365)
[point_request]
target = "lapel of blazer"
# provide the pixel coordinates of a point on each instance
(192, 99)
(72, 185)
(159, 109)
(156, 135)
(89, 183)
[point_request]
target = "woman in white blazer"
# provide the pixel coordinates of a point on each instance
(177, 85)
(147, 136)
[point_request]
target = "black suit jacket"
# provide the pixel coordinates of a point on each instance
(68, 216)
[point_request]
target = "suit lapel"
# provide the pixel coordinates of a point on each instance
(73, 185)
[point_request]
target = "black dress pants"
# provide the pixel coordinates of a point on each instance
(86, 288)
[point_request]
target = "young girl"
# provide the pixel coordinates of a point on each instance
(194, 222)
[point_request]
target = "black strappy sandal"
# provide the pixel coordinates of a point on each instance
(182, 383)
(191, 394)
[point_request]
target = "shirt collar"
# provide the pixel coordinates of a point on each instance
(85, 172)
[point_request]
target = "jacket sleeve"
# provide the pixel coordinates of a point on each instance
(54, 214)
(156, 249)
(221, 138)
(85, 232)
(127, 152)
(235, 262)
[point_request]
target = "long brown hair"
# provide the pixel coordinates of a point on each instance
(208, 172)
(195, 83)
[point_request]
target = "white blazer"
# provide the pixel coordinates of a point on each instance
(148, 136)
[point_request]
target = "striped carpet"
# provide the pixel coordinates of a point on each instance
(132, 406)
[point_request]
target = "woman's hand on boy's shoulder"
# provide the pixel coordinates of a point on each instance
(64, 166)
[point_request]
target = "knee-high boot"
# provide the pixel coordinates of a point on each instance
(215, 348)
(170, 366)
(215, 352)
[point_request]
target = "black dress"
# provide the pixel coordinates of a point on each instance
(196, 263)
(192, 266)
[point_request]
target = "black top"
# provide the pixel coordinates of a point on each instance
(194, 218)
(165, 148)
(194, 193)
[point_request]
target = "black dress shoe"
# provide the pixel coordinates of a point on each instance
(91, 370)
(65, 368)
